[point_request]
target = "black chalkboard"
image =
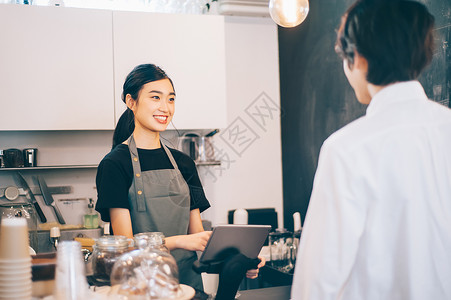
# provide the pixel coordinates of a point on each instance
(436, 79)
(317, 99)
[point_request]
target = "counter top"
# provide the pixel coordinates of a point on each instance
(272, 293)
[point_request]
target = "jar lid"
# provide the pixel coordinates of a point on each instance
(281, 233)
(146, 273)
(112, 241)
(149, 239)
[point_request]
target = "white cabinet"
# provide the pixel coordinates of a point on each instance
(56, 68)
(63, 68)
(190, 48)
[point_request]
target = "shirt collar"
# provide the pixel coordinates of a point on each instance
(396, 93)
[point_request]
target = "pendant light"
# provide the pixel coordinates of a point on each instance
(288, 13)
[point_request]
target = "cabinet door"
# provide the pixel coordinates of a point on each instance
(56, 68)
(190, 48)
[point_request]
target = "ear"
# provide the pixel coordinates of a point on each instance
(360, 62)
(130, 102)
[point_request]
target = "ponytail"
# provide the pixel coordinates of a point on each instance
(124, 128)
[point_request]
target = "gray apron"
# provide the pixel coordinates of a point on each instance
(160, 201)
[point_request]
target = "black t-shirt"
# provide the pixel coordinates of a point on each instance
(115, 175)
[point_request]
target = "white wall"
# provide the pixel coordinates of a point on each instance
(251, 172)
(253, 178)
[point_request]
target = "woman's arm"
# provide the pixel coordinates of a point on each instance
(122, 225)
(121, 222)
(195, 222)
(197, 238)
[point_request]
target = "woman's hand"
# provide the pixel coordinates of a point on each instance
(192, 242)
(195, 241)
(252, 274)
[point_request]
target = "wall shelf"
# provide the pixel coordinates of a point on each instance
(208, 163)
(62, 167)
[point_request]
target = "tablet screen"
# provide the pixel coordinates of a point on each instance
(247, 239)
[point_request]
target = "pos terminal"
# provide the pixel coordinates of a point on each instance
(230, 252)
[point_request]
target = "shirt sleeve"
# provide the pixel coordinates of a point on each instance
(196, 191)
(198, 198)
(333, 226)
(112, 188)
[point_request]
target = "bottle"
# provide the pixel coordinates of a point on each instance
(91, 219)
(240, 216)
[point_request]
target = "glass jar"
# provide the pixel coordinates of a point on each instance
(150, 240)
(296, 239)
(105, 252)
(199, 148)
(146, 274)
(27, 211)
(281, 249)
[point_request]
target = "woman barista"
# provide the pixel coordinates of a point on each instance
(143, 186)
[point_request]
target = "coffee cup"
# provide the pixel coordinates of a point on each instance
(30, 157)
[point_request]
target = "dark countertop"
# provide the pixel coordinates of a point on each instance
(272, 293)
(275, 277)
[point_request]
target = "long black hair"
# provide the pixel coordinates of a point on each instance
(133, 84)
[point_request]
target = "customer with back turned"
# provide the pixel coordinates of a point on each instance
(378, 224)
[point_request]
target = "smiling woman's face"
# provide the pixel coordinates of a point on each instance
(154, 107)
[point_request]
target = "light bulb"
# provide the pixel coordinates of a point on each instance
(288, 13)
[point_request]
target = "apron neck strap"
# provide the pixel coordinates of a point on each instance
(139, 184)
(132, 146)
(171, 158)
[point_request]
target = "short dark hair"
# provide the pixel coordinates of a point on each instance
(133, 84)
(394, 36)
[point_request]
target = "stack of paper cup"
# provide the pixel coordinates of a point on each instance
(15, 260)
(70, 278)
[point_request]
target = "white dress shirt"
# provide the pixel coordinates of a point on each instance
(378, 224)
